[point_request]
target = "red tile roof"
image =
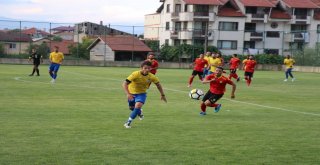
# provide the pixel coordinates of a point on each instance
(279, 14)
(14, 37)
(205, 2)
(257, 3)
(300, 4)
(123, 43)
(63, 45)
(34, 31)
(317, 2)
(229, 12)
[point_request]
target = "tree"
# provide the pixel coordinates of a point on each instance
(42, 49)
(56, 38)
(81, 50)
(1, 48)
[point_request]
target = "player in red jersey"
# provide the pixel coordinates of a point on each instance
(250, 65)
(234, 64)
(218, 84)
(154, 63)
(199, 65)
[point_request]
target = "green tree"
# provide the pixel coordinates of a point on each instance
(42, 49)
(80, 50)
(153, 45)
(56, 38)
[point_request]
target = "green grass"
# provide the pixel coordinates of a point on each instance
(79, 120)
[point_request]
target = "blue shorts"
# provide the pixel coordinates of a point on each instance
(138, 98)
(54, 67)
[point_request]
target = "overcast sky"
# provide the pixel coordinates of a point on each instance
(121, 12)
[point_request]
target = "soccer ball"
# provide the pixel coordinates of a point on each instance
(196, 94)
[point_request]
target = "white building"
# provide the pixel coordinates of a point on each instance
(237, 26)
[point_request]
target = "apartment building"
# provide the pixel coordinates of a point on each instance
(237, 26)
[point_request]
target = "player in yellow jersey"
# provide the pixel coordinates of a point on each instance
(206, 69)
(135, 86)
(56, 59)
(289, 62)
(214, 63)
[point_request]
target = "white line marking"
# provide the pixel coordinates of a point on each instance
(90, 87)
(186, 92)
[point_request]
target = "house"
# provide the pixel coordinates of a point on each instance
(65, 32)
(35, 33)
(88, 29)
(15, 42)
(237, 26)
(118, 48)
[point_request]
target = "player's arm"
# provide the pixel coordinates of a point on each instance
(163, 96)
(208, 79)
(125, 85)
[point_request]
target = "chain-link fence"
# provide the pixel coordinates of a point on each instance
(176, 44)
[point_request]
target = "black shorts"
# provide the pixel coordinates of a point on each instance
(211, 97)
(194, 72)
(36, 63)
(233, 71)
(249, 74)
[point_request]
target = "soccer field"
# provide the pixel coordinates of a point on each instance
(79, 120)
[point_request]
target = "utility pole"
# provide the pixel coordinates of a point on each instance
(206, 38)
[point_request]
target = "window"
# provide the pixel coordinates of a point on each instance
(176, 42)
(228, 26)
(12, 46)
(184, 41)
(177, 26)
(201, 8)
(298, 28)
(273, 34)
(177, 8)
(185, 26)
(249, 44)
(251, 10)
(168, 8)
(250, 27)
(296, 45)
(167, 25)
(186, 8)
(271, 51)
(198, 42)
(166, 42)
(224, 44)
(318, 28)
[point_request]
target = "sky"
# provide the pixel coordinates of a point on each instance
(120, 12)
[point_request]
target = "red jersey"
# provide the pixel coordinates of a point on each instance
(250, 64)
(154, 64)
(199, 64)
(219, 85)
(234, 63)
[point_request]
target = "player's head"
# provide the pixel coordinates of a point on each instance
(251, 57)
(33, 50)
(145, 67)
(219, 70)
(288, 56)
(234, 55)
(56, 48)
(151, 56)
(208, 53)
(201, 56)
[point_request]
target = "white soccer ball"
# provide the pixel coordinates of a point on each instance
(196, 94)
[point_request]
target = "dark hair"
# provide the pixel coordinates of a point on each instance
(148, 63)
(235, 55)
(219, 67)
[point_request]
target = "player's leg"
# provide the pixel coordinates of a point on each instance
(194, 73)
(37, 69)
(139, 101)
(51, 68)
(33, 70)
(212, 102)
(203, 106)
(55, 71)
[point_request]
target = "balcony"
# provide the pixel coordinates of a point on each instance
(253, 36)
(297, 37)
(257, 18)
(300, 19)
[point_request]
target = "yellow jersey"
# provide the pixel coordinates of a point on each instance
(140, 83)
(214, 63)
(56, 57)
(288, 62)
(208, 58)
